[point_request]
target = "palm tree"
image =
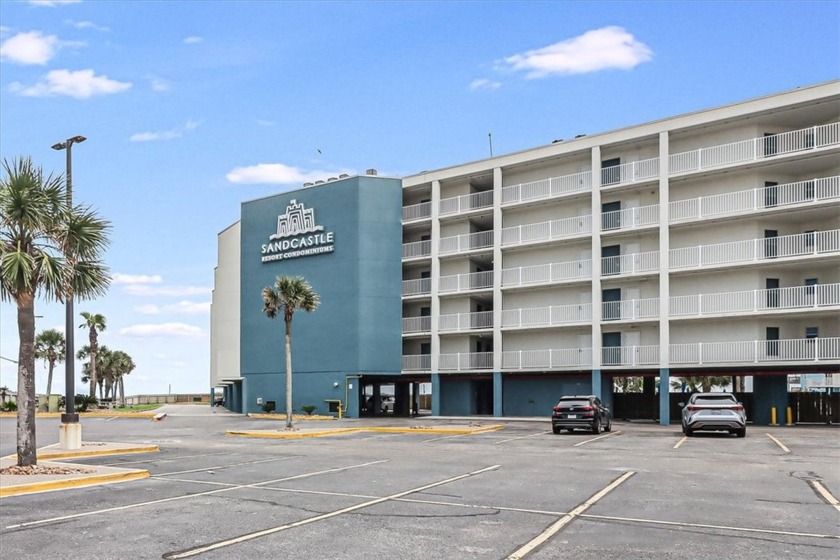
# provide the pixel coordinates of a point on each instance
(289, 294)
(123, 365)
(49, 346)
(95, 323)
(50, 249)
(701, 383)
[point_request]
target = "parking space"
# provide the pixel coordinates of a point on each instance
(520, 492)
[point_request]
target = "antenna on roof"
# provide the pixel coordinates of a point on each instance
(490, 139)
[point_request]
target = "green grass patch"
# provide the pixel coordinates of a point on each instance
(136, 408)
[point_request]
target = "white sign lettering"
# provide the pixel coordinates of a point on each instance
(291, 240)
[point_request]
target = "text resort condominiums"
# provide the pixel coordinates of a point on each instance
(704, 244)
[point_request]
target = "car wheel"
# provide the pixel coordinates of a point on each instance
(570, 430)
(596, 426)
(688, 432)
(556, 429)
(608, 427)
(741, 433)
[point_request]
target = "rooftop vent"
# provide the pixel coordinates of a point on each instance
(580, 135)
(307, 184)
(370, 172)
(343, 176)
(319, 182)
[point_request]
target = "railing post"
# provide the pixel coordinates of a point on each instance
(755, 148)
(755, 300)
(755, 351)
(700, 353)
(699, 305)
(699, 207)
(700, 158)
(817, 349)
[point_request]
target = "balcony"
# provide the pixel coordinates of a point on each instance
(417, 287)
(463, 283)
(466, 242)
(545, 189)
(755, 149)
(629, 356)
(756, 301)
(417, 212)
(466, 203)
(546, 274)
(417, 362)
(630, 218)
(542, 232)
(630, 309)
(630, 264)
(553, 316)
(465, 322)
(416, 250)
(466, 361)
(631, 172)
(416, 325)
(549, 359)
(813, 191)
(755, 250)
(756, 351)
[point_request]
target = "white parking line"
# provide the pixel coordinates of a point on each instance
(826, 495)
(779, 443)
(156, 460)
(555, 527)
(682, 441)
(220, 467)
(444, 437)
(584, 442)
(257, 534)
(188, 496)
(523, 437)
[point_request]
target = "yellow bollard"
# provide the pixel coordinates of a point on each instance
(773, 416)
(789, 417)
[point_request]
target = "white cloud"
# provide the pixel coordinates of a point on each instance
(52, 3)
(181, 308)
(119, 278)
(31, 47)
(159, 84)
(167, 330)
(80, 84)
(483, 83)
(278, 174)
(145, 290)
(265, 122)
(87, 25)
(165, 134)
(193, 39)
(599, 49)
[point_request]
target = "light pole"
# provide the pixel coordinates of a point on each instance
(70, 416)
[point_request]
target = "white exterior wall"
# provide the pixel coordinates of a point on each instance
(224, 316)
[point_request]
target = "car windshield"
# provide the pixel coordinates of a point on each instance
(722, 399)
(574, 402)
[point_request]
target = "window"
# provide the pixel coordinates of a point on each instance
(809, 239)
(809, 190)
(812, 332)
(611, 171)
(809, 286)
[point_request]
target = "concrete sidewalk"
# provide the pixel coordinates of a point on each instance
(49, 475)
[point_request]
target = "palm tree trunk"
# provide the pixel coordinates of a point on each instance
(26, 448)
(49, 379)
(288, 372)
(122, 392)
(93, 372)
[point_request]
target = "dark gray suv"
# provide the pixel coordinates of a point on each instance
(581, 412)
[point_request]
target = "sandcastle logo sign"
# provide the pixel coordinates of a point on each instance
(297, 236)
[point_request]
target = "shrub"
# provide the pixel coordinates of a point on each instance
(268, 407)
(308, 409)
(9, 406)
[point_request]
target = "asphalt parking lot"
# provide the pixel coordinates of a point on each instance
(642, 491)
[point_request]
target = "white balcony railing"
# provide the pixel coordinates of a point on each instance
(631, 172)
(547, 231)
(417, 249)
(416, 325)
(466, 242)
(466, 202)
(417, 211)
(417, 287)
(629, 309)
(630, 218)
(552, 273)
(756, 148)
(632, 263)
(466, 361)
(547, 316)
(630, 356)
(461, 322)
(459, 283)
(756, 301)
(753, 200)
(785, 246)
(548, 359)
(417, 362)
(757, 351)
(547, 188)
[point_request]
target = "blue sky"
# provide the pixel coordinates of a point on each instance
(191, 108)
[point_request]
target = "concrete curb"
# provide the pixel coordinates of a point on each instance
(296, 417)
(70, 454)
(80, 482)
(143, 415)
(275, 434)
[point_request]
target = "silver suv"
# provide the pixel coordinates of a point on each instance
(714, 412)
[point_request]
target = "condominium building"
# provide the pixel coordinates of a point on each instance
(704, 244)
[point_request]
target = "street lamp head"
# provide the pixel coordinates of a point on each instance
(59, 146)
(70, 141)
(77, 139)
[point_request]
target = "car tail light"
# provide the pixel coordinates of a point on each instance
(692, 408)
(557, 409)
(587, 408)
(738, 407)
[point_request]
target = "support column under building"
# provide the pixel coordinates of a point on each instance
(596, 383)
(769, 391)
(498, 407)
(435, 394)
(664, 397)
